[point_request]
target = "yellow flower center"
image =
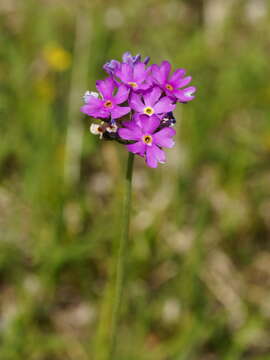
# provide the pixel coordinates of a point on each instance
(169, 87)
(147, 139)
(133, 84)
(148, 110)
(108, 104)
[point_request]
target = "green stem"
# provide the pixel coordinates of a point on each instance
(120, 266)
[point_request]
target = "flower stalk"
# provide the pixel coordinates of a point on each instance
(120, 263)
(149, 95)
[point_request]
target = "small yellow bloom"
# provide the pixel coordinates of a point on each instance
(57, 57)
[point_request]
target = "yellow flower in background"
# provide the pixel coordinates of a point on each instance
(57, 57)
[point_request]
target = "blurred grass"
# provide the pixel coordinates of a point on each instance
(198, 279)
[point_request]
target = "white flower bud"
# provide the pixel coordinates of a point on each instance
(97, 129)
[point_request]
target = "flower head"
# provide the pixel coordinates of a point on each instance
(148, 94)
(173, 85)
(151, 103)
(108, 105)
(148, 138)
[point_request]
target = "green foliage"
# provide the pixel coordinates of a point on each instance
(197, 280)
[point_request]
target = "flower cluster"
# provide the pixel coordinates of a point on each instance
(136, 104)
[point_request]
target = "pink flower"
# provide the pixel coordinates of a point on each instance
(172, 85)
(148, 139)
(108, 105)
(134, 76)
(151, 103)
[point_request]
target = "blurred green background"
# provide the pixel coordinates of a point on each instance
(198, 267)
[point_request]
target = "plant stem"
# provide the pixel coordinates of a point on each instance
(120, 265)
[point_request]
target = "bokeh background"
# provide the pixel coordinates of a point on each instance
(198, 266)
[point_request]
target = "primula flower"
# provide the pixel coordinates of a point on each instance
(148, 139)
(108, 105)
(151, 103)
(134, 76)
(172, 84)
(148, 95)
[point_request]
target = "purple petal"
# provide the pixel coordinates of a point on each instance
(86, 109)
(164, 105)
(183, 82)
(122, 94)
(126, 56)
(137, 148)
(139, 119)
(151, 97)
(136, 103)
(165, 69)
(158, 153)
(164, 137)
(129, 59)
(119, 111)
(177, 75)
(128, 134)
(95, 111)
(136, 59)
(149, 123)
(146, 84)
(151, 160)
(111, 66)
(94, 107)
(130, 124)
(94, 101)
(157, 75)
(88, 94)
(171, 95)
(139, 72)
(146, 60)
(106, 87)
(125, 73)
(185, 95)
